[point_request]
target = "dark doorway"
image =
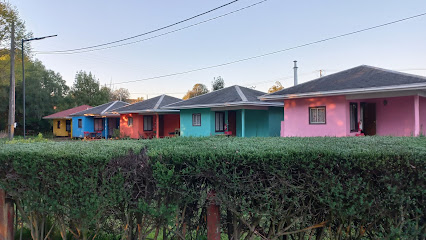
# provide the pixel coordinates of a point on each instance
(161, 123)
(113, 123)
(232, 122)
(68, 125)
(369, 112)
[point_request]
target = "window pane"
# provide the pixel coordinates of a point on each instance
(321, 115)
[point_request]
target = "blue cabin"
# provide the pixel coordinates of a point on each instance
(98, 121)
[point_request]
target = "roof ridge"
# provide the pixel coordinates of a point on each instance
(159, 101)
(396, 72)
(108, 107)
(315, 79)
(242, 96)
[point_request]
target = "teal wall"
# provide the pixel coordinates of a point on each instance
(258, 123)
(276, 116)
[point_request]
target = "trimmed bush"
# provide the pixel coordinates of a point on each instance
(361, 188)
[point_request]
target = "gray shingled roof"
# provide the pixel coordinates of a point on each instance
(102, 110)
(230, 96)
(150, 105)
(360, 77)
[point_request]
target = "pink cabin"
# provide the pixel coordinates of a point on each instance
(360, 101)
(147, 119)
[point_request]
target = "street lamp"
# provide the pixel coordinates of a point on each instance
(23, 68)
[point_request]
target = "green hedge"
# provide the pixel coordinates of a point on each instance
(361, 188)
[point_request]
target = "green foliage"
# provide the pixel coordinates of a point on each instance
(38, 138)
(218, 83)
(361, 188)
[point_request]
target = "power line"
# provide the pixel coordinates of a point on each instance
(156, 36)
(275, 52)
(152, 31)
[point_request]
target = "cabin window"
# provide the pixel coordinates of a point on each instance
(219, 121)
(59, 125)
(147, 123)
(80, 123)
(317, 115)
(98, 124)
(196, 119)
(130, 121)
(353, 113)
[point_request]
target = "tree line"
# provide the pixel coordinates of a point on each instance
(46, 90)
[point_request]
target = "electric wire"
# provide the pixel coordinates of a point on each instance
(156, 36)
(275, 52)
(152, 31)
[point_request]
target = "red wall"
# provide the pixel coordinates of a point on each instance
(171, 122)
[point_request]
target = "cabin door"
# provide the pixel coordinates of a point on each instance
(68, 125)
(369, 122)
(232, 122)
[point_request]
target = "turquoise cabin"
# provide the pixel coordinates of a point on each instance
(99, 121)
(234, 111)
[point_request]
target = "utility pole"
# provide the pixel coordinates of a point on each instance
(11, 122)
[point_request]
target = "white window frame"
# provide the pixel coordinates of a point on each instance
(196, 119)
(317, 111)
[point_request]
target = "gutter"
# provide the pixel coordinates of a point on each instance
(405, 87)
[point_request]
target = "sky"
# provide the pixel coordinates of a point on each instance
(266, 27)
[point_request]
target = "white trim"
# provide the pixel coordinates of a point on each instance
(405, 87)
(148, 111)
(267, 104)
(383, 95)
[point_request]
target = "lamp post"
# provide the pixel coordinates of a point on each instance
(23, 69)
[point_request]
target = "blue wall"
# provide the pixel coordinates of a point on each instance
(88, 126)
(258, 123)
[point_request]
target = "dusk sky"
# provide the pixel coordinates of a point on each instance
(267, 27)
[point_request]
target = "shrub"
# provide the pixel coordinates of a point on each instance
(369, 187)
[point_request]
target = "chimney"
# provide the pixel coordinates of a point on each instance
(295, 73)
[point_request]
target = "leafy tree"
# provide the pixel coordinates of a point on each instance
(139, 99)
(121, 94)
(218, 83)
(87, 90)
(276, 87)
(197, 90)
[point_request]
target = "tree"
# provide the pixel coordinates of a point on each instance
(139, 99)
(276, 87)
(121, 94)
(218, 83)
(197, 90)
(87, 90)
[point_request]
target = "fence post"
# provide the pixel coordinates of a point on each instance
(6, 217)
(213, 217)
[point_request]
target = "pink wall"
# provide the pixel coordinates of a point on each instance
(396, 118)
(296, 117)
(423, 115)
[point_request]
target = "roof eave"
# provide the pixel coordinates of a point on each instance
(406, 87)
(149, 111)
(260, 104)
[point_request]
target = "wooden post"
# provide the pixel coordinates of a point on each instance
(11, 121)
(6, 217)
(157, 120)
(213, 218)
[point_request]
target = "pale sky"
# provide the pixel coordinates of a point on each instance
(270, 26)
